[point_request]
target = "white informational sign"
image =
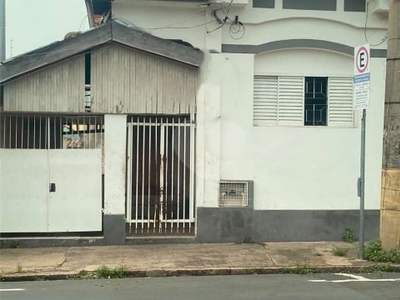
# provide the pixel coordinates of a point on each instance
(361, 77)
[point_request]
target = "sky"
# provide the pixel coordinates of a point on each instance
(31, 24)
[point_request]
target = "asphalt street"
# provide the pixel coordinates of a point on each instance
(285, 286)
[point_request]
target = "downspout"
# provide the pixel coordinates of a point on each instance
(2, 30)
(90, 12)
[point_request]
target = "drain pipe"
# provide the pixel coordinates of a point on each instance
(2, 30)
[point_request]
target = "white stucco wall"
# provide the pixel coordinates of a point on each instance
(195, 24)
(114, 164)
(298, 167)
(292, 167)
(166, 21)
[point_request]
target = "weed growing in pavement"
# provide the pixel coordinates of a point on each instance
(298, 269)
(84, 275)
(103, 272)
(19, 268)
(15, 244)
(379, 268)
(340, 251)
(348, 235)
(106, 272)
(254, 271)
(375, 252)
(246, 240)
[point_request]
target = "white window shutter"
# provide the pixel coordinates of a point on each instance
(340, 102)
(291, 101)
(265, 102)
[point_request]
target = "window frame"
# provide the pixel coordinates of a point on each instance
(340, 113)
(324, 81)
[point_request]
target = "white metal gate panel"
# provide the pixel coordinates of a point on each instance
(50, 173)
(75, 204)
(160, 175)
(23, 190)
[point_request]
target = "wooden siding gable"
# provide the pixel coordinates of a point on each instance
(129, 81)
(108, 33)
(58, 88)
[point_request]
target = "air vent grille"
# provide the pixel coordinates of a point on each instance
(233, 193)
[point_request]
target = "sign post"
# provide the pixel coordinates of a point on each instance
(362, 77)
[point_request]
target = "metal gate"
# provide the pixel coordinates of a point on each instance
(160, 175)
(50, 173)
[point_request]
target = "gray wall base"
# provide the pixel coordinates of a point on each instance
(240, 224)
(114, 229)
(40, 242)
(217, 225)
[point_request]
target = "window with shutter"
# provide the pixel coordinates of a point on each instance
(290, 100)
(278, 100)
(265, 105)
(340, 97)
(285, 101)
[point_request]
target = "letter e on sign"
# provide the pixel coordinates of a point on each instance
(361, 59)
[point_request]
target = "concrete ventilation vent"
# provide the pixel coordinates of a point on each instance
(233, 193)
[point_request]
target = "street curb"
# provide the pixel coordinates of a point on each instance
(299, 270)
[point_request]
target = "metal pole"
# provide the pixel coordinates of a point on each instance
(362, 185)
(2, 30)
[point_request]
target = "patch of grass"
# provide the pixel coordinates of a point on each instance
(103, 272)
(84, 275)
(253, 271)
(299, 269)
(19, 268)
(15, 244)
(340, 251)
(374, 252)
(286, 270)
(379, 268)
(349, 236)
(106, 272)
(248, 240)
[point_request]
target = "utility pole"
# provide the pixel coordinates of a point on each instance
(390, 194)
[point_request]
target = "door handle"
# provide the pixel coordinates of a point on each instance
(52, 187)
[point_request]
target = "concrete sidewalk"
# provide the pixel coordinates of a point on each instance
(178, 259)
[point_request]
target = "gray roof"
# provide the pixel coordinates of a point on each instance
(112, 32)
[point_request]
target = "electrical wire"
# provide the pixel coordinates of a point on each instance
(229, 9)
(180, 27)
(235, 26)
(82, 22)
(170, 26)
(365, 31)
(233, 30)
(229, 6)
(222, 24)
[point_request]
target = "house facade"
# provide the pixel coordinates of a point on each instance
(257, 140)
